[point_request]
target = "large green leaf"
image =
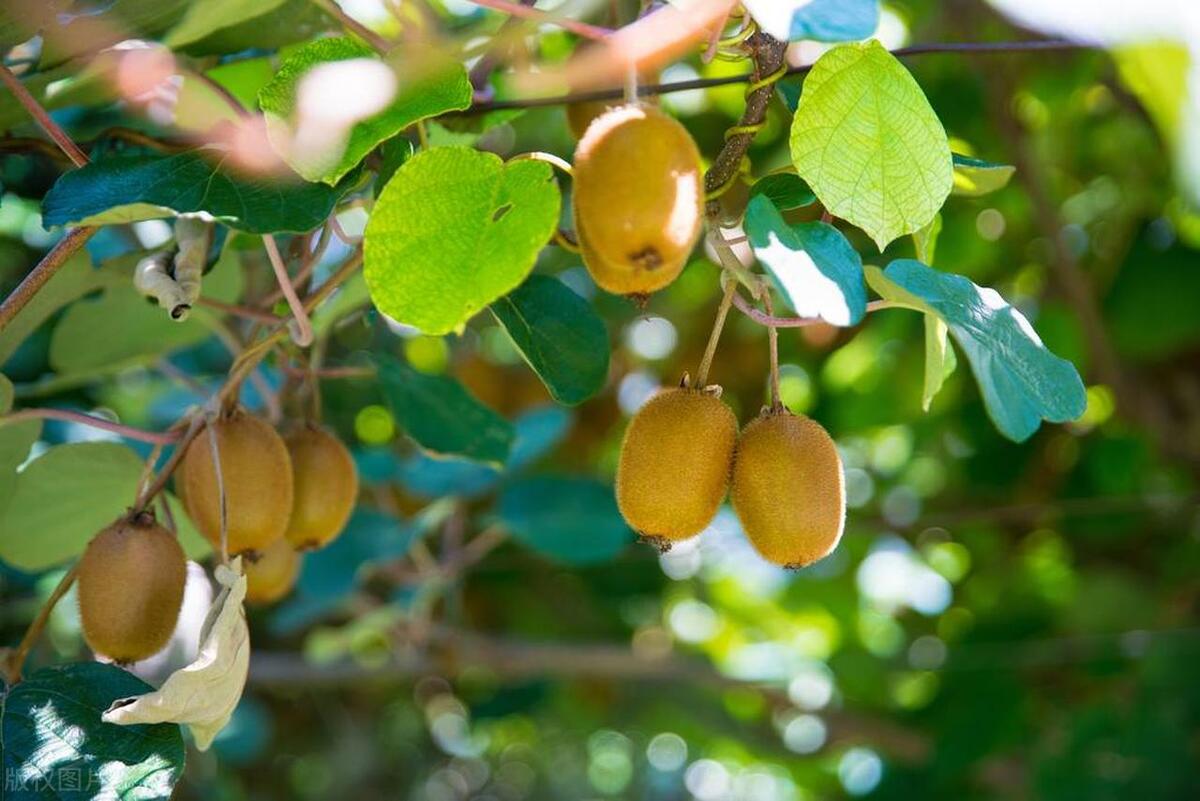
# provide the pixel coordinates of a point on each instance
(559, 334)
(441, 416)
(66, 495)
(818, 273)
(73, 280)
(55, 746)
(1021, 381)
(16, 439)
(121, 326)
(454, 230)
(572, 520)
(129, 188)
(203, 18)
(429, 87)
(866, 140)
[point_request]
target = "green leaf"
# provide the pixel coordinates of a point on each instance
(203, 18)
(130, 188)
(121, 326)
(939, 359)
(57, 747)
(454, 230)
(571, 520)
(559, 335)
(65, 496)
(441, 416)
(1021, 381)
(429, 87)
(818, 273)
(786, 190)
(73, 280)
(975, 177)
(866, 140)
(16, 440)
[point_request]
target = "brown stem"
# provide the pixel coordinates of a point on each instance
(44, 270)
(248, 313)
(90, 420)
(768, 55)
(164, 475)
(64, 142)
(773, 347)
(16, 660)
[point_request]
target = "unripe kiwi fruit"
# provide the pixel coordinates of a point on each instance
(131, 581)
(325, 487)
(788, 489)
(273, 572)
(674, 466)
(638, 197)
(256, 473)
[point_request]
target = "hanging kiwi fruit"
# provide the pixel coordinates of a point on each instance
(638, 197)
(674, 466)
(788, 489)
(326, 487)
(272, 573)
(131, 581)
(256, 474)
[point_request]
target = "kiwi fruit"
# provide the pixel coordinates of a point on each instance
(788, 489)
(256, 472)
(131, 581)
(674, 466)
(326, 487)
(273, 573)
(638, 197)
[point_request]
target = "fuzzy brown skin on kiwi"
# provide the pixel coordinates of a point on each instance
(131, 581)
(788, 489)
(273, 573)
(257, 475)
(638, 199)
(325, 483)
(674, 466)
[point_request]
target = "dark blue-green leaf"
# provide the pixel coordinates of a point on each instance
(785, 189)
(130, 188)
(441, 416)
(571, 520)
(822, 20)
(55, 745)
(559, 334)
(816, 270)
(1021, 381)
(975, 177)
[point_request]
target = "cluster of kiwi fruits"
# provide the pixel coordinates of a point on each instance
(283, 496)
(682, 453)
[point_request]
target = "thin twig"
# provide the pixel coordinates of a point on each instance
(64, 142)
(66, 415)
(594, 32)
(772, 345)
(794, 322)
(258, 315)
(45, 269)
(168, 469)
(966, 48)
(718, 324)
(304, 334)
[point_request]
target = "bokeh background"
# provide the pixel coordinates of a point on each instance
(1000, 621)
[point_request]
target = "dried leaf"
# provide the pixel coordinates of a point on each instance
(204, 694)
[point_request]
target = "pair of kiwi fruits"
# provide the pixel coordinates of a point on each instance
(682, 452)
(283, 495)
(638, 198)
